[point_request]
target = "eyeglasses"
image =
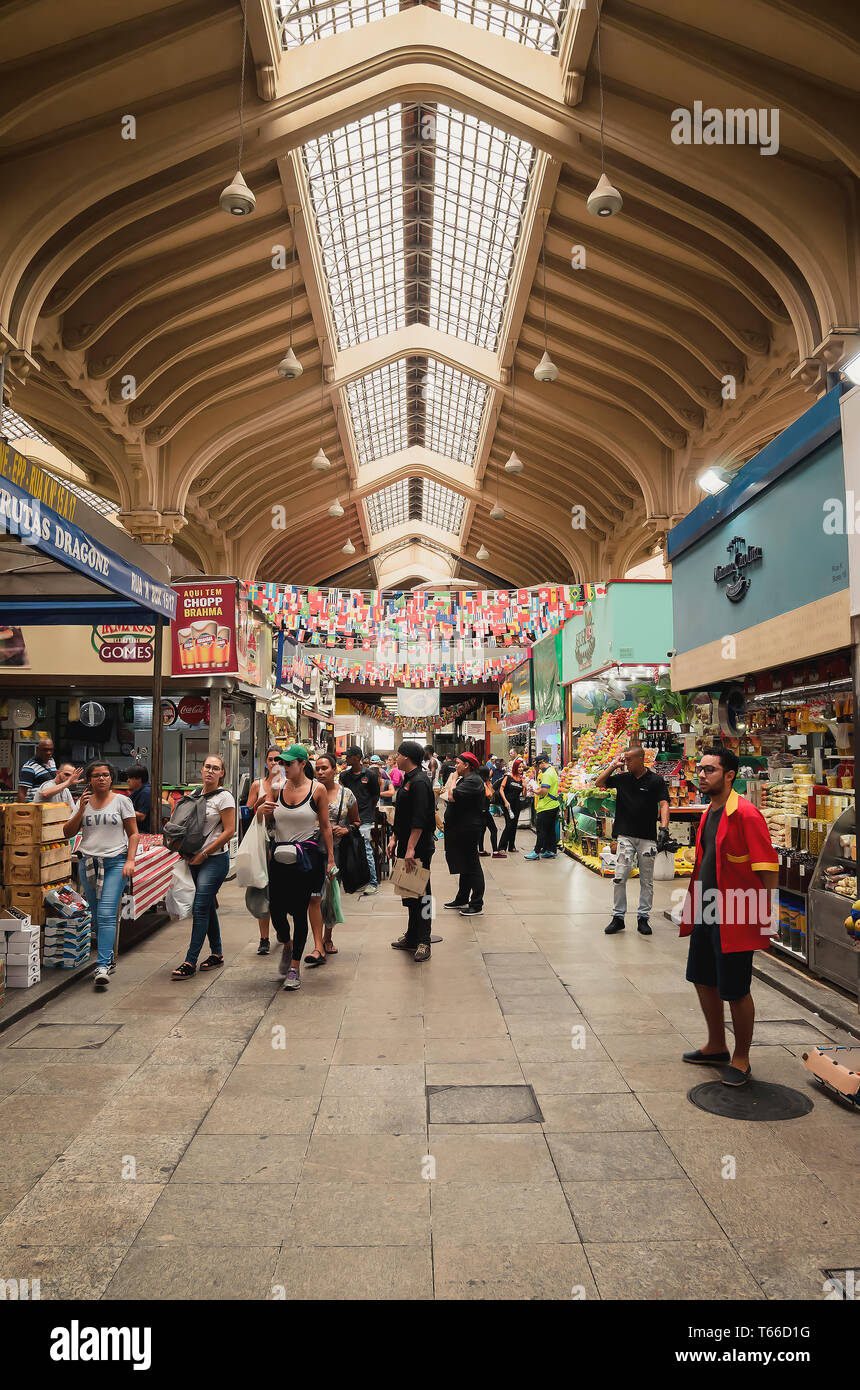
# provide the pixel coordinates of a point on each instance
(93, 775)
(705, 770)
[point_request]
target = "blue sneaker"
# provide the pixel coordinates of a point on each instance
(548, 854)
(533, 855)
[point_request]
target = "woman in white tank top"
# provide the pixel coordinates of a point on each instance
(298, 816)
(266, 789)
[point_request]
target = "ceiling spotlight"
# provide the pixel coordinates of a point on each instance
(320, 461)
(335, 509)
(546, 370)
(714, 480)
(482, 554)
(514, 463)
(349, 548)
(604, 200)
(237, 197)
(498, 512)
(289, 365)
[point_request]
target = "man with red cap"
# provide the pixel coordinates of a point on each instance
(464, 825)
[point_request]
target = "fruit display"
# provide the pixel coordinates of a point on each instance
(599, 746)
(852, 923)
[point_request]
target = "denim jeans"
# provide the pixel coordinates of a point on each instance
(643, 852)
(104, 907)
(208, 878)
(366, 828)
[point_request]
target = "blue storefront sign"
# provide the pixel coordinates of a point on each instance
(40, 511)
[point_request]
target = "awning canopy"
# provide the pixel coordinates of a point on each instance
(60, 557)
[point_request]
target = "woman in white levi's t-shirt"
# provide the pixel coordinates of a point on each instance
(209, 868)
(108, 844)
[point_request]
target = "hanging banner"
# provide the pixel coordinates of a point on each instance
(417, 703)
(203, 634)
(548, 694)
(515, 697)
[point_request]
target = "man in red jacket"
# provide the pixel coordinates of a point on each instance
(727, 913)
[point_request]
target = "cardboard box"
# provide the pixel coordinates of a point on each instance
(14, 920)
(35, 824)
(23, 978)
(36, 864)
(29, 898)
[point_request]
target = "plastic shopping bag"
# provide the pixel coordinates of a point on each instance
(180, 895)
(664, 865)
(252, 871)
(332, 910)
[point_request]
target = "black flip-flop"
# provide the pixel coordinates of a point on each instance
(313, 961)
(329, 949)
(707, 1059)
(733, 1076)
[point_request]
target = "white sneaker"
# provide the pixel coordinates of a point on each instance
(101, 977)
(370, 890)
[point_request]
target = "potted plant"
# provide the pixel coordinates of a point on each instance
(679, 704)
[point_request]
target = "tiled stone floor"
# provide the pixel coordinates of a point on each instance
(231, 1140)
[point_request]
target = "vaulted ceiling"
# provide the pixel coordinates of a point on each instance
(420, 237)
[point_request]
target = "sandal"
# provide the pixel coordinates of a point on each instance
(183, 971)
(315, 960)
(211, 962)
(329, 949)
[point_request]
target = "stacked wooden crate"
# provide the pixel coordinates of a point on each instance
(36, 856)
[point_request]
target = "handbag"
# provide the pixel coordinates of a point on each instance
(354, 868)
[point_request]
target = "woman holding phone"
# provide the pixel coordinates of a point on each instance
(109, 837)
(263, 789)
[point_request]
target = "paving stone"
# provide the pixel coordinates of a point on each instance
(475, 1105)
(500, 1213)
(242, 1158)
(388, 1081)
(65, 1272)
(792, 1269)
(105, 1156)
(472, 1155)
(507, 1272)
(574, 1078)
(603, 1157)
(639, 1210)
(68, 1213)
(593, 1113)
(370, 1114)
(219, 1214)
(261, 1114)
(697, 1270)
(359, 1158)
(321, 1273)
(154, 1269)
(796, 1208)
(342, 1214)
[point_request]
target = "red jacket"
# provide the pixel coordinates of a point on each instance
(744, 851)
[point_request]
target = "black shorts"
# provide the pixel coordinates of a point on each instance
(709, 964)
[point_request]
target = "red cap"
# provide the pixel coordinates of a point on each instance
(470, 759)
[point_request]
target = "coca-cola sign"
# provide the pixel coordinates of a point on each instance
(193, 710)
(124, 643)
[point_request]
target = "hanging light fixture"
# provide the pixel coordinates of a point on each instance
(237, 198)
(514, 463)
(497, 513)
(546, 370)
(482, 553)
(349, 548)
(604, 200)
(289, 365)
(336, 509)
(320, 462)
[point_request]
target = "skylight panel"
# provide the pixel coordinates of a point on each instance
(388, 507)
(377, 407)
(442, 507)
(455, 406)
(533, 23)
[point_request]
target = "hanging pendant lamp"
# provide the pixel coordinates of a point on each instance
(514, 463)
(336, 509)
(482, 553)
(604, 200)
(237, 198)
(320, 462)
(546, 370)
(289, 366)
(349, 548)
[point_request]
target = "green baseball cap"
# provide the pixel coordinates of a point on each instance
(295, 753)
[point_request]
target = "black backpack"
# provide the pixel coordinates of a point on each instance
(185, 832)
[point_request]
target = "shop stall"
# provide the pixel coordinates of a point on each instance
(759, 571)
(549, 699)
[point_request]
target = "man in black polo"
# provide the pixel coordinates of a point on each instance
(365, 786)
(413, 839)
(640, 798)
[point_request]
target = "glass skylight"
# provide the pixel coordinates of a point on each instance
(389, 507)
(418, 213)
(355, 178)
(454, 410)
(442, 507)
(377, 406)
(534, 23)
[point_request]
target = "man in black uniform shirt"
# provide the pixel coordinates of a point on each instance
(413, 839)
(640, 796)
(365, 786)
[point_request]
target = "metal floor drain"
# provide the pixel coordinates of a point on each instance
(71, 1036)
(772, 1031)
(757, 1100)
(482, 1105)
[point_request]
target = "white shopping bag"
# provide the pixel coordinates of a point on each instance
(180, 895)
(664, 865)
(252, 871)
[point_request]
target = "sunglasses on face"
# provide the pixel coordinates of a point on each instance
(706, 771)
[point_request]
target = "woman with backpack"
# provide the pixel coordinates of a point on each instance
(209, 866)
(109, 837)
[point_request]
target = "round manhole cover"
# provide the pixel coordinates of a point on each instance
(758, 1100)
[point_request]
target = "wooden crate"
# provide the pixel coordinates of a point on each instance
(37, 824)
(36, 864)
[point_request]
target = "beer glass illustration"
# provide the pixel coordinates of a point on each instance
(187, 649)
(222, 646)
(204, 642)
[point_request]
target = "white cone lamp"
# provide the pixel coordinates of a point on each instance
(349, 548)
(546, 370)
(497, 513)
(336, 509)
(482, 554)
(237, 197)
(514, 463)
(289, 365)
(320, 462)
